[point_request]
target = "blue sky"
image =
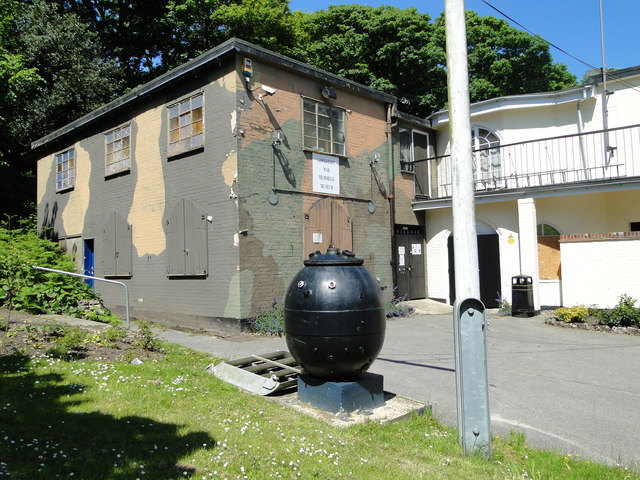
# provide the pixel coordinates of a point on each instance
(573, 25)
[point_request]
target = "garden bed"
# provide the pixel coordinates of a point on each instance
(594, 327)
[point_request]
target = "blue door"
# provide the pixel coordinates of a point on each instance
(88, 261)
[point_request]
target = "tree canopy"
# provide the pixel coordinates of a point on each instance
(61, 59)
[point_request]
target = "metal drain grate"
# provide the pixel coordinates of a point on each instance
(262, 374)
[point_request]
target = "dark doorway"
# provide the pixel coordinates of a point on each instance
(89, 261)
(410, 261)
(489, 266)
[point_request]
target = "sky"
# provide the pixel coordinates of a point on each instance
(572, 25)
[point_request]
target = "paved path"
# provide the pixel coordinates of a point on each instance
(569, 390)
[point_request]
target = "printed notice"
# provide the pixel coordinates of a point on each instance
(317, 238)
(326, 174)
(416, 249)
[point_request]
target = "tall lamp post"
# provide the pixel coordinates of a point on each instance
(472, 388)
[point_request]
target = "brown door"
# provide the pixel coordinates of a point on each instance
(327, 223)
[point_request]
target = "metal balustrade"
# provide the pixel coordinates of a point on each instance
(599, 156)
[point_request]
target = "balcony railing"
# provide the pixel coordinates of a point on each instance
(587, 157)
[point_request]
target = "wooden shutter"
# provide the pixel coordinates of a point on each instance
(187, 241)
(117, 247)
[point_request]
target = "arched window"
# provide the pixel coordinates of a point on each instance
(546, 230)
(486, 149)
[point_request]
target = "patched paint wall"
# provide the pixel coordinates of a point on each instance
(147, 207)
(272, 248)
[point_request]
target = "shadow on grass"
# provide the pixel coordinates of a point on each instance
(41, 439)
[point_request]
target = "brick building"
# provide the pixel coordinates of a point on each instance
(204, 189)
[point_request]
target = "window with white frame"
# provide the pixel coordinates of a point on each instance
(186, 125)
(486, 148)
(118, 150)
(65, 169)
(323, 127)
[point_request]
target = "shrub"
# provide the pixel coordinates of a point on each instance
(572, 314)
(503, 305)
(395, 308)
(145, 339)
(269, 321)
(624, 314)
(34, 291)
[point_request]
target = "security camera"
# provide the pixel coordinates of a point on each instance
(268, 90)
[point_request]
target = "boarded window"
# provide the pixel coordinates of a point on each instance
(187, 241)
(548, 252)
(117, 247)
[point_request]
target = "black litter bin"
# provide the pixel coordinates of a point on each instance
(522, 296)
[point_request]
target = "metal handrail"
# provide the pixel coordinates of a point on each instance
(126, 290)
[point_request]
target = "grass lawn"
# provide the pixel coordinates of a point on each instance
(169, 419)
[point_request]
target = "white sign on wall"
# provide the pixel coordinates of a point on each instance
(326, 174)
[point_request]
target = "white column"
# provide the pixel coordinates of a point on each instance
(528, 240)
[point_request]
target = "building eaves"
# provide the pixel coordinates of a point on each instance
(414, 121)
(595, 76)
(511, 102)
(233, 45)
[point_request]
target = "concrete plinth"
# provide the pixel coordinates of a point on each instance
(362, 393)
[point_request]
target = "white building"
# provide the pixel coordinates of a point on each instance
(557, 195)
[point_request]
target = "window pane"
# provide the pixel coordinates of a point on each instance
(196, 114)
(174, 136)
(324, 146)
(185, 119)
(310, 142)
(309, 106)
(309, 130)
(196, 102)
(173, 123)
(173, 111)
(185, 131)
(196, 140)
(197, 127)
(184, 106)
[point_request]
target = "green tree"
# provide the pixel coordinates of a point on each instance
(506, 61)
(402, 52)
(148, 37)
(386, 48)
(56, 74)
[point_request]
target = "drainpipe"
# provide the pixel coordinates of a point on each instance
(583, 150)
(392, 201)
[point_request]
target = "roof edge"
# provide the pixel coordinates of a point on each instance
(527, 100)
(225, 48)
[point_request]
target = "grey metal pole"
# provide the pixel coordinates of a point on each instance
(126, 290)
(474, 428)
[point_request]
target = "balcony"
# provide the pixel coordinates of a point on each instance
(570, 161)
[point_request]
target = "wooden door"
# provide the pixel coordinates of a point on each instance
(327, 223)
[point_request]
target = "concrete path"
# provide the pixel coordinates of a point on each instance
(568, 390)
